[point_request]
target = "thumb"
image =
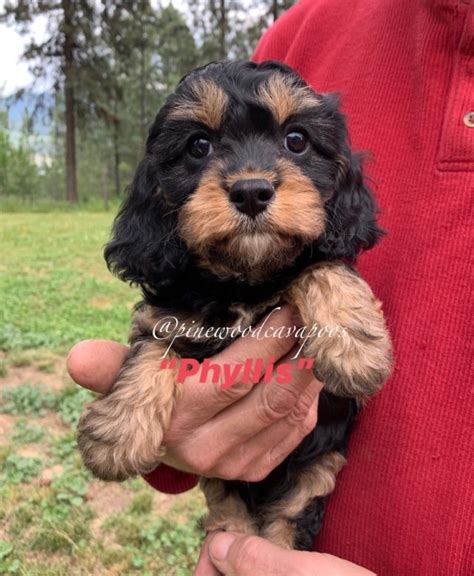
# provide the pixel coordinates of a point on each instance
(242, 555)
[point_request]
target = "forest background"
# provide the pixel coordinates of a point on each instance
(101, 69)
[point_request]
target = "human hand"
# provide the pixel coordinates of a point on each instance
(239, 433)
(231, 554)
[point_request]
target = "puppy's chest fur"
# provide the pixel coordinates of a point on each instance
(200, 334)
(287, 506)
(299, 485)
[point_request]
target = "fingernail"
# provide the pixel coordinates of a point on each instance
(219, 546)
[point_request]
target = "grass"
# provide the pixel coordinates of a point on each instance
(27, 399)
(55, 285)
(15, 204)
(27, 432)
(55, 519)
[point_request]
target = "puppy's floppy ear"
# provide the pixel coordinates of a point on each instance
(351, 213)
(145, 248)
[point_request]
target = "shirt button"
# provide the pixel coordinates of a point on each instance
(469, 119)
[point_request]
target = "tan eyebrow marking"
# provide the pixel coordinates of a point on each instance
(284, 98)
(209, 104)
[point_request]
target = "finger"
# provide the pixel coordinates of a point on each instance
(202, 400)
(240, 555)
(264, 405)
(205, 567)
(95, 364)
(215, 447)
(253, 460)
(333, 566)
(267, 450)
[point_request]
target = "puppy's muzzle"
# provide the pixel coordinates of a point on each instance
(251, 196)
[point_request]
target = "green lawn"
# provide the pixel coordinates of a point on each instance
(54, 518)
(54, 284)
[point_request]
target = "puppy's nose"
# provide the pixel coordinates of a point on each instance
(251, 196)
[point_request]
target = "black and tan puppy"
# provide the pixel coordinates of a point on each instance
(248, 197)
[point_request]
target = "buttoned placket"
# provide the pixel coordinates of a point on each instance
(456, 148)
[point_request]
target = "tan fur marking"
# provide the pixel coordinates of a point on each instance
(247, 174)
(144, 320)
(208, 214)
(209, 224)
(157, 322)
(120, 434)
(298, 208)
(318, 480)
(226, 511)
(208, 106)
(284, 98)
(280, 531)
(356, 361)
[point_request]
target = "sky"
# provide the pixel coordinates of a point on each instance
(14, 74)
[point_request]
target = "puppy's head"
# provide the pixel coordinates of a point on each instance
(245, 167)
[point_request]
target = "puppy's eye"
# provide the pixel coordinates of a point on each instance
(296, 142)
(200, 148)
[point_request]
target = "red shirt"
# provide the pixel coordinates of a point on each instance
(405, 70)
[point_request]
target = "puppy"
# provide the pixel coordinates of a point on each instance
(248, 197)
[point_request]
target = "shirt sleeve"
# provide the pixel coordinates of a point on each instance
(170, 481)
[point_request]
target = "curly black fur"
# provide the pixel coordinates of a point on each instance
(147, 250)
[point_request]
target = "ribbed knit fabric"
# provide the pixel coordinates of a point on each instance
(404, 69)
(170, 481)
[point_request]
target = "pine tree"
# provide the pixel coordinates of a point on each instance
(63, 53)
(231, 28)
(140, 56)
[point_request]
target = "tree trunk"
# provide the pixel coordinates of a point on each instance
(71, 181)
(105, 188)
(143, 120)
(275, 9)
(222, 30)
(117, 160)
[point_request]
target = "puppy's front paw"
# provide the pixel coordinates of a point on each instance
(103, 459)
(357, 362)
(116, 445)
(121, 434)
(351, 348)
